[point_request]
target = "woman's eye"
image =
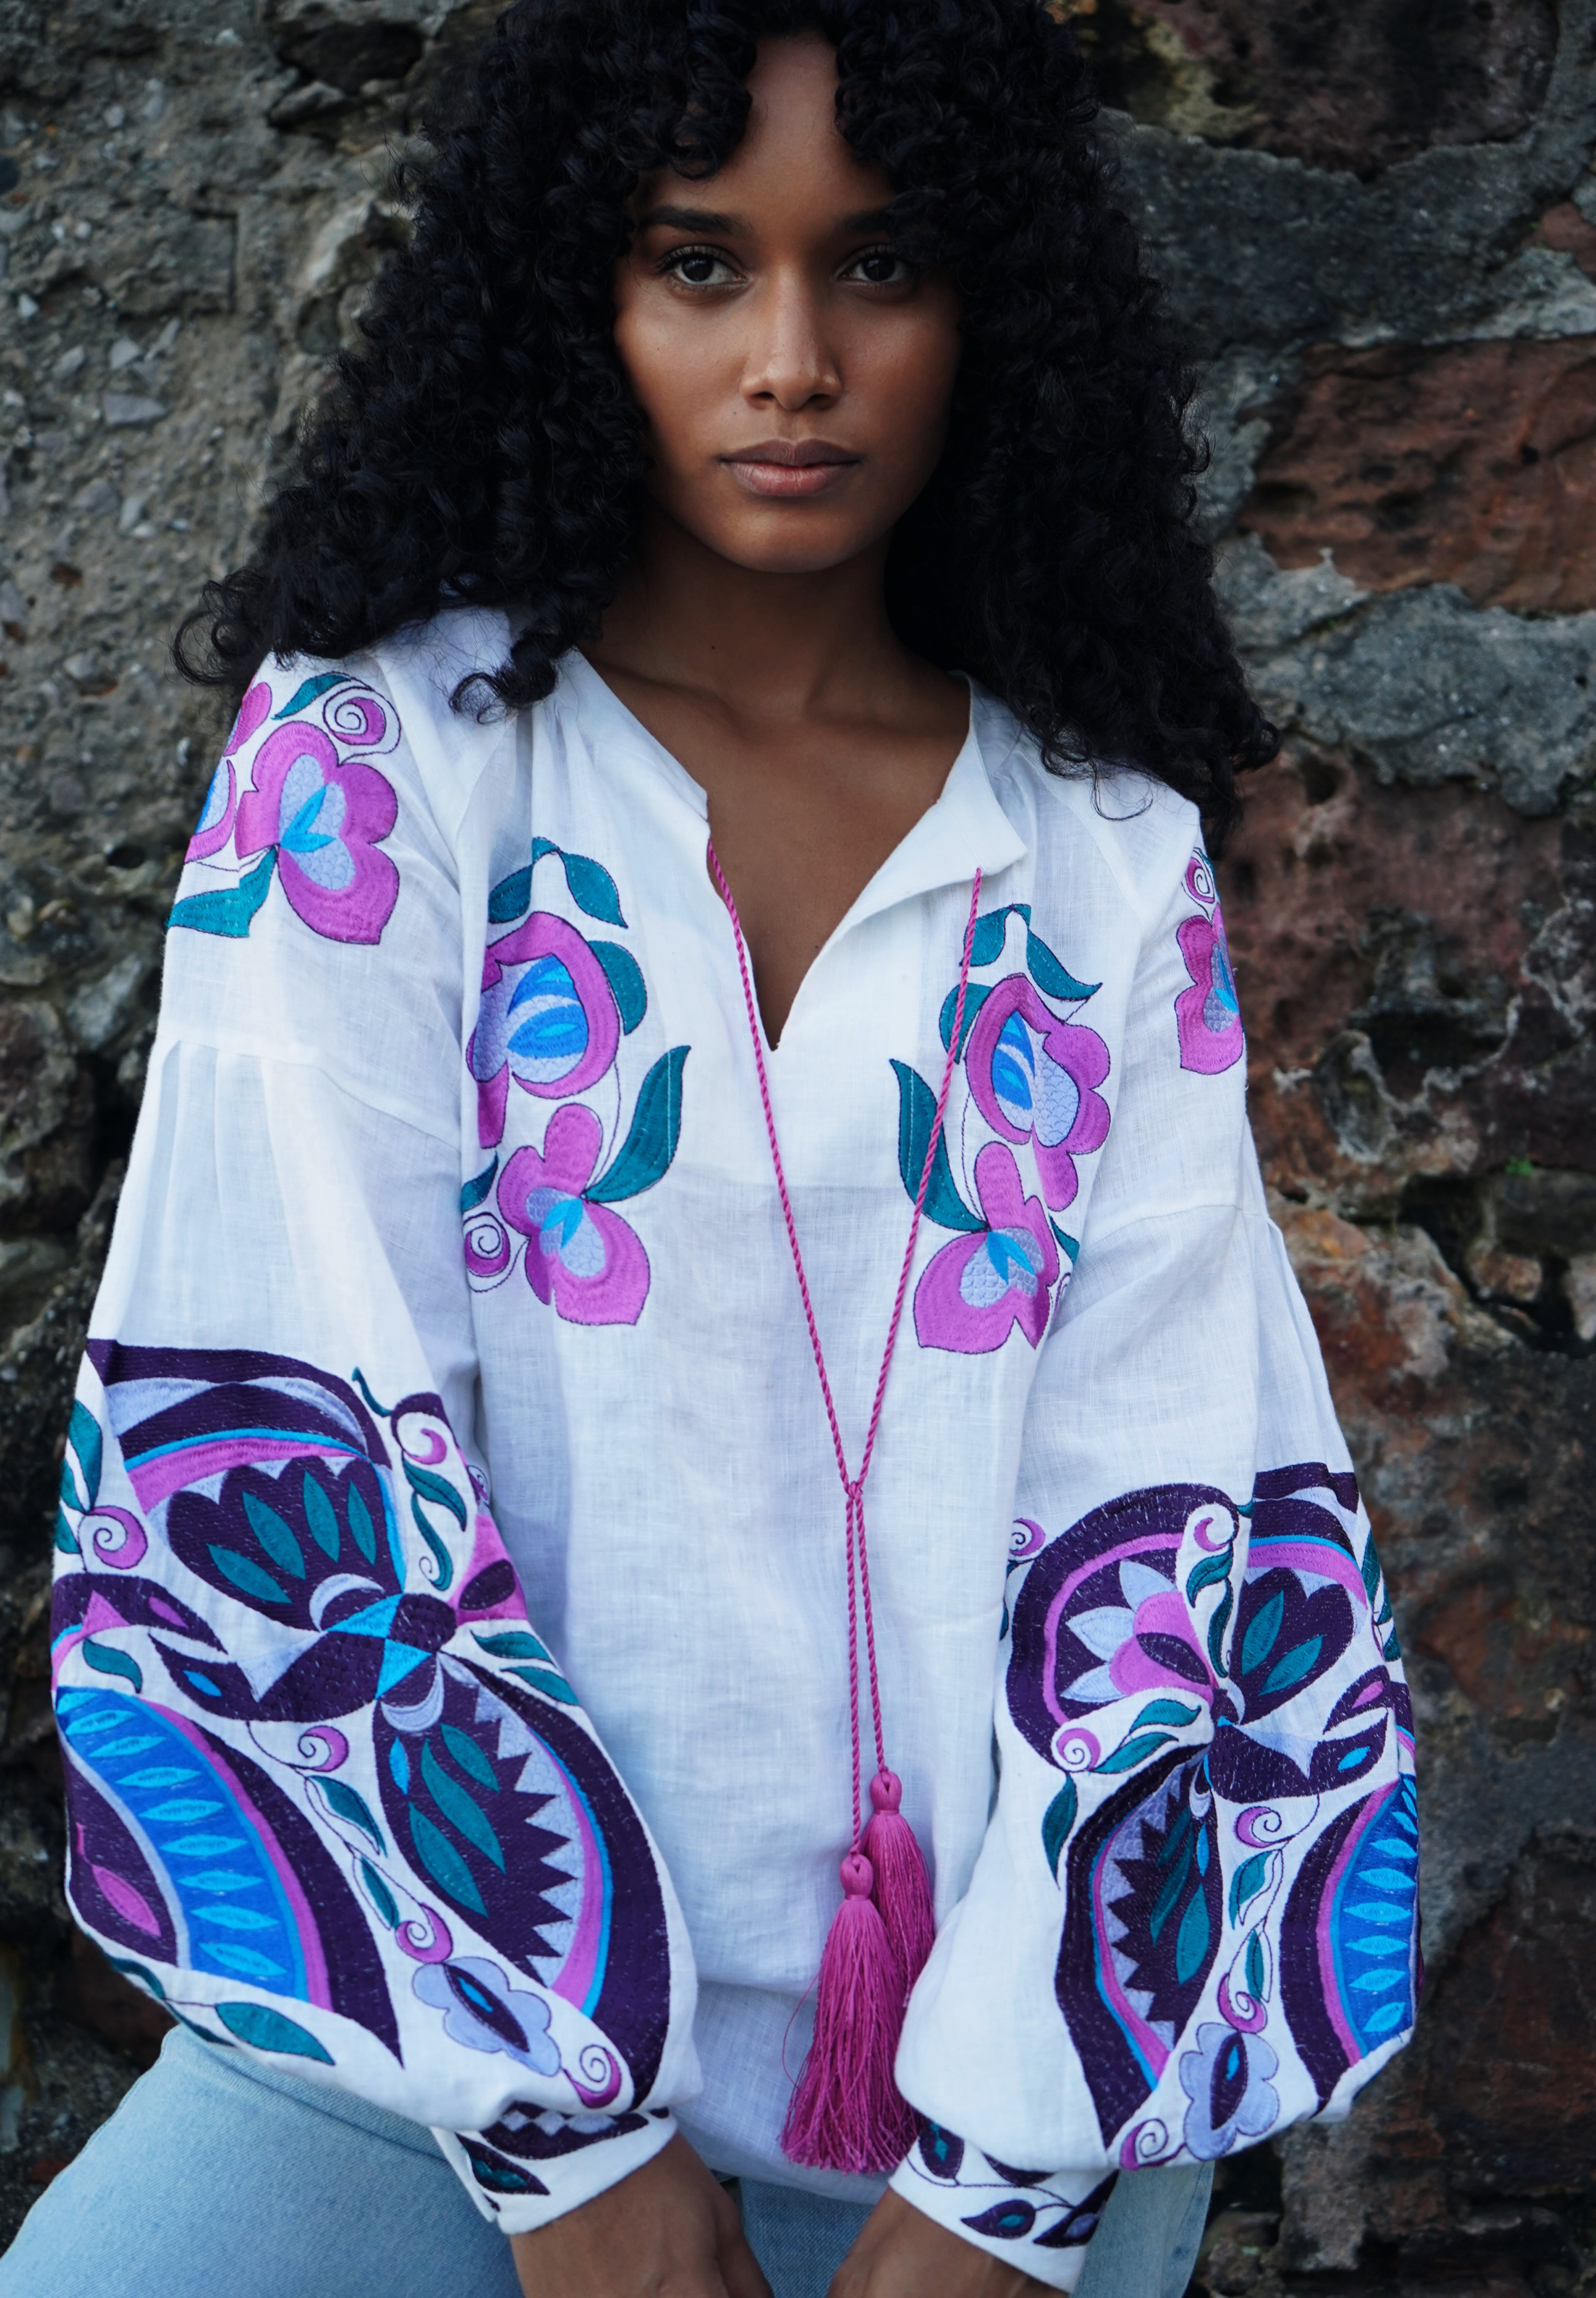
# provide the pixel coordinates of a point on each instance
(879, 267)
(700, 267)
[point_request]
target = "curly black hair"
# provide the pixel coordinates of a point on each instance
(481, 446)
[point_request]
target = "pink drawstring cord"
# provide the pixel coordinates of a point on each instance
(846, 2113)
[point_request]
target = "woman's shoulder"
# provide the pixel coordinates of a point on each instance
(1136, 827)
(438, 751)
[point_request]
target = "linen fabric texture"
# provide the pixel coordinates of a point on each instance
(450, 1616)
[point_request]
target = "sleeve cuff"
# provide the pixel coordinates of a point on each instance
(1038, 2220)
(533, 2165)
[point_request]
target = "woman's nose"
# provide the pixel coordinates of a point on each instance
(791, 361)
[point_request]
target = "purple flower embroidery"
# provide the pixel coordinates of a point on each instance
(975, 1290)
(316, 820)
(1207, 1015)
(578, 1250)
(547, 1018)
(215, 825)
(325, 820)
(1036, 1078)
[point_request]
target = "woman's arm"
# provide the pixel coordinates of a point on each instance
(330, 1799)
(1191, 1922)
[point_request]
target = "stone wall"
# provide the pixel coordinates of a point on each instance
(1378, 222)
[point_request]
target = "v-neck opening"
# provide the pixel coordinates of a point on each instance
(986, 838)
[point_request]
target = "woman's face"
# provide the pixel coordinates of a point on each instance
(794, 372)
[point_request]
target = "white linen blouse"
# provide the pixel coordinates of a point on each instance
(450, 1614)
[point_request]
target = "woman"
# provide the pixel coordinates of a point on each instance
(709, 850)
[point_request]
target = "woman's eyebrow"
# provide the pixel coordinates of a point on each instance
(691, 219)
(711, 220)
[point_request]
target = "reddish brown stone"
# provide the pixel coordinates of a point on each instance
(1355, 87)
(1473, 464)
(1381, 938)
(1513, 2030)
(1564, 228)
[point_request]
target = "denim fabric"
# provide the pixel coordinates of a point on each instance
(219, 2175)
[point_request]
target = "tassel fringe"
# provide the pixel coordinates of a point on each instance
(902, 1890)
(846, 2112)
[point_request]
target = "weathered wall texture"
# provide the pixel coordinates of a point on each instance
(1379, 221)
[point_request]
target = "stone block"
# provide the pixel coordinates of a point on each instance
(1473, 465)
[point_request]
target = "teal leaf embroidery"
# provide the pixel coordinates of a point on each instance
(1212, 1568)
(552, 1686)
(1261, 1635)
(1071, 1244)
(916, 1114)
(274, 1536)
(265, 2030)
(625, 979)
(361, 1525)
(592, 889)
(1164, 1711)
(1132, 1752)
(230, 910)
(1254, 1966)
(247, 1576)
(514, 1643)
(651, 1140)
(83, 1433)
(307, 693)
(986, 944)
(431, 1487)
(975, 997)
(459, 1807)
(353, 1806)
(475, 1191)
(510, 896)
(1247, 1881)
(321, 1516)
(443, 1863)
(1049, 975)
(381, 1897)
(1059, 1818)
(469, 1755)
(112, 1662)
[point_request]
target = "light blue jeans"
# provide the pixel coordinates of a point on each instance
(218, 2177)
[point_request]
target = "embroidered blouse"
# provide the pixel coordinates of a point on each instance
(449, 1617)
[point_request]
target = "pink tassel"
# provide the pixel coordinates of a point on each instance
(903, 1889)
(846, 2113)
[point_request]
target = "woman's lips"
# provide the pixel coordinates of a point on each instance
(787, 473)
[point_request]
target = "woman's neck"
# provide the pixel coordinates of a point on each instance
(764, 648)
(818, 739)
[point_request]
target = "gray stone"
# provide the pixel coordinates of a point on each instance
(128, 410)
(94, 500)
(1433, 690)
(103, 1008)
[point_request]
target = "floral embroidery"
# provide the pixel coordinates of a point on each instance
(316, 1749)
(1035, 1077)
(315, 818)
(1031, 2206)
(1032, 1080)
(556, 1007)
(1207, 1015)
(581, 1254)
(977, 1289)
(1225, 1847)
